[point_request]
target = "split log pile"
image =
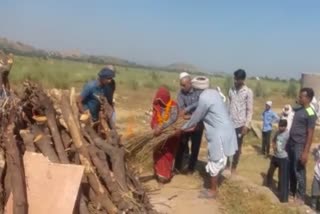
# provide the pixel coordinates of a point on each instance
(48, 122)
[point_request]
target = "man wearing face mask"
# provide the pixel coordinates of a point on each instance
(188, 98)
(88, 99)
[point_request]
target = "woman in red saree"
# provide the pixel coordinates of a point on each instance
(165, 112)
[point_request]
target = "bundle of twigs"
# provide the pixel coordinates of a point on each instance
(52, 127)
(142, 145)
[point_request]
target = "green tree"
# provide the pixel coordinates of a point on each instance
(292, 90)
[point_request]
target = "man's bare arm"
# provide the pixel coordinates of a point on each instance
(79, 104)
(304, 157)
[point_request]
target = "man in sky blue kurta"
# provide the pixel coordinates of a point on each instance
(220, 134)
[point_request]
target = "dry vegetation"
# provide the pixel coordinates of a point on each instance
(135, 89)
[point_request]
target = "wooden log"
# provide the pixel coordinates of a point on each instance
(73, 104)
(105, 174)
(116, 154)
(52, 124)
(2, 170)
(83, 207)
(15, 166)
(27, 138)
(7, 185)
(256, 130)
(66, 139)
(44, 144)
(84, 156)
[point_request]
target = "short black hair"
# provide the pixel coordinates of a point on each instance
(283, 123)
(309, 92)
(240, 74)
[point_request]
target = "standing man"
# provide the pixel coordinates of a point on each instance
(220, 134)
(88, 99)
(268, 117)
(301, 135)
(240, 109)
(113, 88)
(187, 102)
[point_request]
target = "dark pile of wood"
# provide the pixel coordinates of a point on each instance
(48, 123)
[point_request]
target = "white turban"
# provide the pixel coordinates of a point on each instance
(269, 103)
(183, 75)
(200, 82)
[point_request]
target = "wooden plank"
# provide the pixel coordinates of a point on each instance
(51, 187)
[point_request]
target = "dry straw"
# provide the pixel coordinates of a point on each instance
(140, 147)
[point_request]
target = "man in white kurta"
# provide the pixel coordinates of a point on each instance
(220, 134)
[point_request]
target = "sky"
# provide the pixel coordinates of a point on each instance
(275, 37)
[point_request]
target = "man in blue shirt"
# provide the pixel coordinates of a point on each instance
(89, 97)
(269, 117)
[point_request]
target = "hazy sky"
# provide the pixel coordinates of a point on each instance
(273, 37)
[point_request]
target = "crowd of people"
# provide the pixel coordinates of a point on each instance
(225, 121)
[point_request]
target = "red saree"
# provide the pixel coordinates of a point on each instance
(165, 112)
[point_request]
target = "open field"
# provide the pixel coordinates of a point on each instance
(132, 81)
(135, 89)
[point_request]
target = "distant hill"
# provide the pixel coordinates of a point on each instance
(19, 48)
(183, 67)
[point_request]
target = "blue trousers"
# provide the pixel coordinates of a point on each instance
(297, 170)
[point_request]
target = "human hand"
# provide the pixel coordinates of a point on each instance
(157, 132)
(244, 131)
(187, 117)
(304, 158)
(178, 132)
(182, 112)
(274, 147)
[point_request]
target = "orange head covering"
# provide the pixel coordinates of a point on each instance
(161, 98)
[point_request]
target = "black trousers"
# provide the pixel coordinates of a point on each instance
(297, 170)
(195, 137)
(236, 156)
(266, 137)
(283, 176)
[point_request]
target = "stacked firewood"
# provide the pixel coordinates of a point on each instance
(48, 122)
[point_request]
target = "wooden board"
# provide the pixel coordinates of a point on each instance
(51, 188)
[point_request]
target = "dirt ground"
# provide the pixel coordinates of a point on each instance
(181, 194)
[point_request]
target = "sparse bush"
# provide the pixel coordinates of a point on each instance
(150, 85)
(292, 90)
(259, 90)
(170, 87)
(133, 84)
(154, 76)
(228, 83)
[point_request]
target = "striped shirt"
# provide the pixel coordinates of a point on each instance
(188, 101)
(241, 106)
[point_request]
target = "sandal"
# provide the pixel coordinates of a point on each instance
(207, 195)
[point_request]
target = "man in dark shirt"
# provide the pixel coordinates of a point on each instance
(89, 97)
(188, 98)
(299, 144)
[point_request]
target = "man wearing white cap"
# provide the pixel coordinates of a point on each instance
(188, 98)
(269, 117)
